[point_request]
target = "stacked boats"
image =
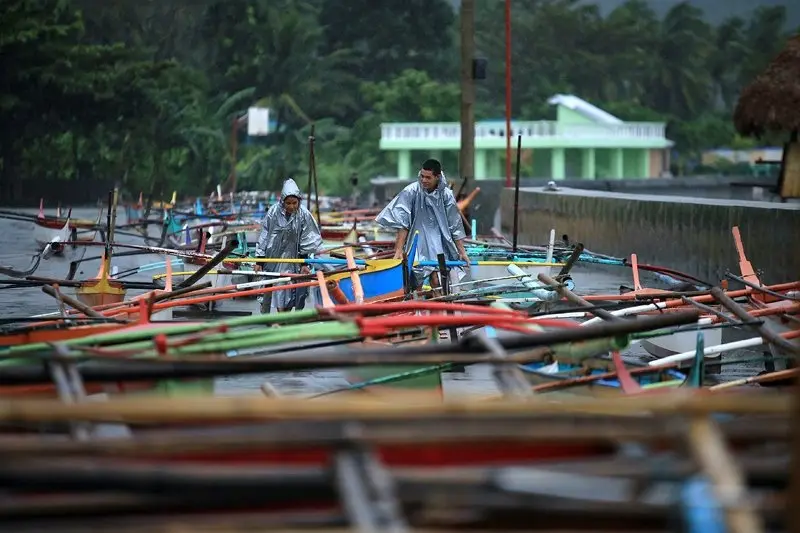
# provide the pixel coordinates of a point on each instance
(156, 395)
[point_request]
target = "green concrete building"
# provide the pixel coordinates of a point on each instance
(583, 142)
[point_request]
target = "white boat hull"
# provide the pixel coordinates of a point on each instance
(490, 272)
(216, 280)
(47, 236)
(684, 341)
(164, 315)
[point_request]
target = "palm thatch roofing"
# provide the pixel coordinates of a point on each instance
(772, 101)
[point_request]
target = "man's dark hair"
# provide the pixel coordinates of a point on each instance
(433, 165)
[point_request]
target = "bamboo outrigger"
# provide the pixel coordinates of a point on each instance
(103, 289)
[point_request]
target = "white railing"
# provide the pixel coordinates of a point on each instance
(443, 131)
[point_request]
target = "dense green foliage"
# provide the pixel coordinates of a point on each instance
(143, 93)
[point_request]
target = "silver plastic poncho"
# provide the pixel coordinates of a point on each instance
(286, 237)
(434, 214)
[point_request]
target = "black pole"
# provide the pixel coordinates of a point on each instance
(313, 168)
(444, 283)
(406, 276)
(310, 171)
(109, 233)
(516, 195)
(214, 261)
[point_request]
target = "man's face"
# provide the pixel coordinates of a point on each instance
(290, 204)
(428, 180)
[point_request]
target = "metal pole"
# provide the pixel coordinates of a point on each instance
(234, 151)
(516, 196)
(467, 154)
(508, 93)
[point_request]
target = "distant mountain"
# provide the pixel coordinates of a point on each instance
(716, 10)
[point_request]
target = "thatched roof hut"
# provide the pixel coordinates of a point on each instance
(772, 101)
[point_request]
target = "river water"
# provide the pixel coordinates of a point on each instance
(17, 247)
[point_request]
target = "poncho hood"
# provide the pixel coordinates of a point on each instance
(290, 188)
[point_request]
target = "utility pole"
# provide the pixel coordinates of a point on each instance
(508, 93)
(466, 162)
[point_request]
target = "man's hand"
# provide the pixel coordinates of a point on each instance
(462, 252)
(400, 243)
(305, 270)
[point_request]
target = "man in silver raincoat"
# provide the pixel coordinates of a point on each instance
(288, 231)
(427, 206)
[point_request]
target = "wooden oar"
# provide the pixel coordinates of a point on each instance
(674, 297)
(36, 281)
(762, 330)
(214, 261)
(50, 290)
(780, 375)
(408, 406)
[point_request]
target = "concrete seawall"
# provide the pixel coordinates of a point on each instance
(690, 234)
(486, 204)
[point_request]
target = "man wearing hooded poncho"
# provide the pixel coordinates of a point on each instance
(288, 231)
(426, 206)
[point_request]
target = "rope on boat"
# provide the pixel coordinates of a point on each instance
(13, 273)
(391, 378)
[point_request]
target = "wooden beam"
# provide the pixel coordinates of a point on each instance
(466, 163)
(714, 457)
(792, 509)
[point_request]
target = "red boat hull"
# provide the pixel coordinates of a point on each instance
(338, 234)
(446, 454)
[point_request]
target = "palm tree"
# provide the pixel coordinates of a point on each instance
(207, 135)
(274, 46)
(680, 83)
(730, 50)
(629, 37)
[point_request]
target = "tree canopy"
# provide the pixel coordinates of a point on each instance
(143, 93)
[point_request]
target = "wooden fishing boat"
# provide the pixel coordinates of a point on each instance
(380, 280)
(451, 379)
(340, 217)
(57, 222)
(409, 455)
(158, 204)
(292, 456)
(134, 212)
(163, 314)
(52, 332)
(419, 377)
(163, 387)
(679, 342)
(197, 232)
(52, 240)
(340, 233)
(218, 279)
(609, 377)
(683, 342)
(102, 289)
(494, 268)
(58, 331)
(777, 323)
(497, 266)
(308, 492)
(539, 374)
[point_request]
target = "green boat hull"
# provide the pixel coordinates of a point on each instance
(178, 388)
(397, 376)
